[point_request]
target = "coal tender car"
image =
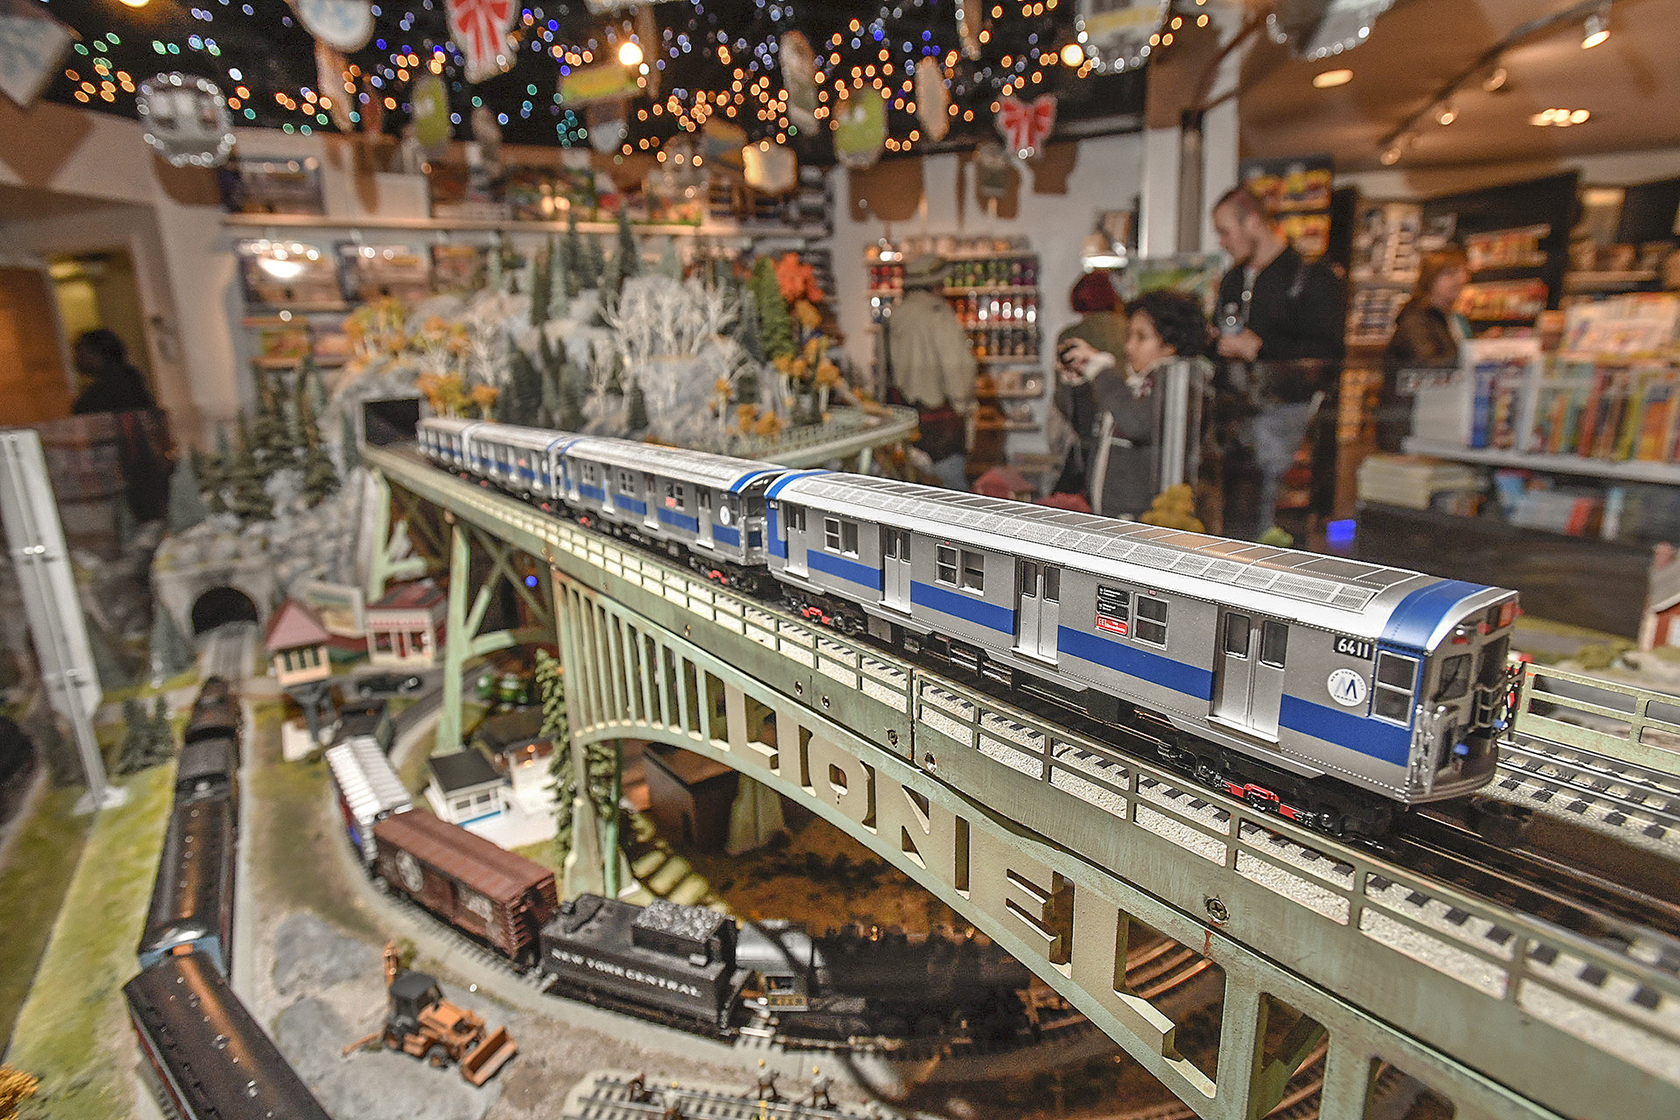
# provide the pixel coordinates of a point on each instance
(693, 968)
(667, 962)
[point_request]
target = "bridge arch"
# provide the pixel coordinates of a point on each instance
(1052, 843)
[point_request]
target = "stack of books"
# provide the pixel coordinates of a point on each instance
(1412, 481)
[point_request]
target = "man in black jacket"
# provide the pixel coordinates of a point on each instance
(1280, 322)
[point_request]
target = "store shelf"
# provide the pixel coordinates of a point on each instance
(1606, 281)
(1010, 359)
(1623, 470)
(293, 363)
(509, 225)
(271, 313)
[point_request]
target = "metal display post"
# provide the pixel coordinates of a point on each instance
(42, 563)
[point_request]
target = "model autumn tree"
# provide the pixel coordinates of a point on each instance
(16, 1087)
(247, 497)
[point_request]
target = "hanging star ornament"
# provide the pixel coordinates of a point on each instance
(480, 29)
(1026, 127)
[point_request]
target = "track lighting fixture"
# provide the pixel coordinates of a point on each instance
(1598, 26)
(1496, 79)
(1447, 113)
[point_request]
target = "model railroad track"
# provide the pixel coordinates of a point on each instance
(1537, 883)
(1633, 797)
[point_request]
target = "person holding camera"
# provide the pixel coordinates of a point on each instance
(928, 363)
(1281, 322)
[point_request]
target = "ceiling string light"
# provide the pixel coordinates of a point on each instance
(1597, 27)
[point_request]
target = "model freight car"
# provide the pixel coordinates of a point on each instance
(669, 961)
(492, 894)
(215, 713)
(207, 1056)
(367, 790)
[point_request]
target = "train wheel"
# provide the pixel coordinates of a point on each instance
(1208, 775)
(1328, 821)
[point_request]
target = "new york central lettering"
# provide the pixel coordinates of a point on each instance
(634, 975)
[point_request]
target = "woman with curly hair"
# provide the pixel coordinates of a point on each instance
(1134, 455)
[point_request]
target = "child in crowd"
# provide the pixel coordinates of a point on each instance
(1127, 472)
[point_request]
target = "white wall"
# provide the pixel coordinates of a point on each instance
(1107, 175)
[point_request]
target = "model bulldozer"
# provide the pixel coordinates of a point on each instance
(419, 1021)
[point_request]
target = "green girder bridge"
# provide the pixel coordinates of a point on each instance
(1058, 846)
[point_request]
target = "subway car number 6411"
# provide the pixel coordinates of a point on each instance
(1328, 690)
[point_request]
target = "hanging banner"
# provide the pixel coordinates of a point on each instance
(1116, 33)
(969, 17)
(35, 44)
(186, 119)
(600, 81)
(992, 172)
(331, 72)
(609, 124)
(933, 100)
(1317, 28)
(430, 114)
(344, 25)
(799, 75)
(480, 29)
(1026, 127)
(860, 125)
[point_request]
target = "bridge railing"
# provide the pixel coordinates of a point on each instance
(1622, 721)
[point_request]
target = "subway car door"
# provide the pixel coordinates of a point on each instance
(650, 502)
(895, 568)
(703, 530)
(1249, 686)
(1038, 608)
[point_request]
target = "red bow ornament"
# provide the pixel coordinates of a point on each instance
(480, 29)
(1026, 127)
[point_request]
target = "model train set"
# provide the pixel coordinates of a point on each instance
(1331, 691)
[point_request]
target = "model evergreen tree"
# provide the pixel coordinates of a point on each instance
(218, 464)
(746, 328)
(349, 453)
(171, 653)
(635, 408)
(568, 411)
(542, 283)
(571, 259)
(186, 498)
(775, 325)
(522, 396)
(670, 261)
(593, 262)
(320, 477)
(267, 435)
(629, 255)
(131, 754)
(247, 496)
(602, 761)
(163, 735)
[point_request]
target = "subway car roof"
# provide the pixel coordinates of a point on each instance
(1247, 573)
(720, 472)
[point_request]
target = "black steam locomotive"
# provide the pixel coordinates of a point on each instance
(693, 968)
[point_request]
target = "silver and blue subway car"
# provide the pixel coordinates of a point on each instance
(522, 461)
(1386, 679)
(443, 440)
(711, 506)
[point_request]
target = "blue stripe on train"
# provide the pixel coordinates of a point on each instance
(723, 534)
(849, 570)
(1373, 737)
(958, 604)
(680, 520)
(778, 546)
(1122, 657)
(593, 493)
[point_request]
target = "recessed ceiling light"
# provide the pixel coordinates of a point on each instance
(1329, 78)
(1560, 118)
(1598, 27)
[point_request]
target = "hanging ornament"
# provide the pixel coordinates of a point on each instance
(722, 143)
(992, 172)
(185, 118)
(770, 168)
(933, 101)
(1026, 127)
(860, 125)
(1317, 28)
(480, 29)
(1116, 33)
(34, 45)
(799, 75)
(344, 25)
(372, 102)
(969, 16)
(430, 115)
(331, 69)
(609, 124)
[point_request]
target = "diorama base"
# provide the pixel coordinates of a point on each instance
(108, 798)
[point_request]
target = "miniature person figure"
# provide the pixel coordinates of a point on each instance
(1126, 466)
(1281, 328)
(929, 365)
(1427, 335)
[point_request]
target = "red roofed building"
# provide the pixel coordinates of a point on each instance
(296, 642)
(405, 627)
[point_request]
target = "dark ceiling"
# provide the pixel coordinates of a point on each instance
(260, 45)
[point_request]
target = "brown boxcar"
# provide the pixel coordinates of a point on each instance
(466, 880)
